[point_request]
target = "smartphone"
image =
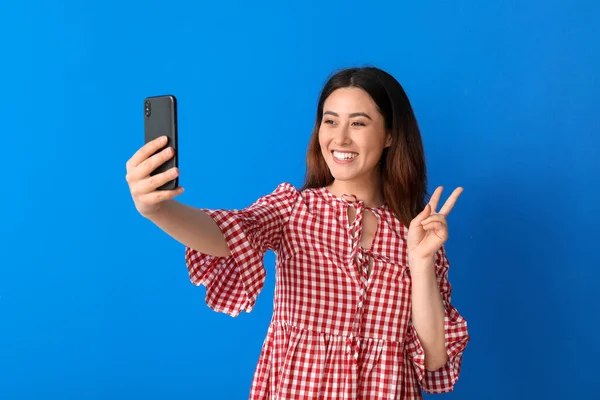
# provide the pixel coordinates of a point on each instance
(160, 119)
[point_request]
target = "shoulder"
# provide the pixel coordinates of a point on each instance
(284, 196)
(288, 190)
(289, 197)
(284, 190)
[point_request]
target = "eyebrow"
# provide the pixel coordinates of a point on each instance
(356, 114)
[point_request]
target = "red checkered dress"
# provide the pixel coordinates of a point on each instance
(336, 332)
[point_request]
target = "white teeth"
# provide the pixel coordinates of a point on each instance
(344, 156)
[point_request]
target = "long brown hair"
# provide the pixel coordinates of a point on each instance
(402, 165)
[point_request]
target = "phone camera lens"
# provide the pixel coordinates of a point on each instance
(147, 109)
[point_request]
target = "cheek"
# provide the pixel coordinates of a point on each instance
(373, 151)
(322, 142)
(376, 144)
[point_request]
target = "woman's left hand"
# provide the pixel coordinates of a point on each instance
(428, 231)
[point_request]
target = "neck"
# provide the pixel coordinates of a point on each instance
(367, 191)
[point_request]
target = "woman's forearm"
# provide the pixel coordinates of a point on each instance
(191, 227)
(428, 312)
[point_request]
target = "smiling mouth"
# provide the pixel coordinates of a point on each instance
(344, 155)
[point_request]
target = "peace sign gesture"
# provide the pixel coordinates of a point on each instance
(428, 231)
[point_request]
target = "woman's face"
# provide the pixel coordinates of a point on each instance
(352, 135)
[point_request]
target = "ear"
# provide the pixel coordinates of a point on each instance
(388, 140)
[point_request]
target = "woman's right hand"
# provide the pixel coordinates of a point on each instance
(142, 186)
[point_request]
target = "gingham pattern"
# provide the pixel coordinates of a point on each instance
(336, 332)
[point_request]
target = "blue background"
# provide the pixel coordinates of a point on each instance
(95, 301)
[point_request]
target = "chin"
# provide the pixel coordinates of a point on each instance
(348, 175)
(342, 175)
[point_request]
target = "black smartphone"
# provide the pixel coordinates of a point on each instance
(160, 119)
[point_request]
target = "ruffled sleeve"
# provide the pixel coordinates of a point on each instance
(457, 337)
(234, 282)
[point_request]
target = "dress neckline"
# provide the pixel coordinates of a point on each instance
(349, 199)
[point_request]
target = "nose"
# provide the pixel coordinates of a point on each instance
(341, 136)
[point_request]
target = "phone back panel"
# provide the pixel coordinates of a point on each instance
(160, 119)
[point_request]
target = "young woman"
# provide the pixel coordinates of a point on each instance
(362, 301)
